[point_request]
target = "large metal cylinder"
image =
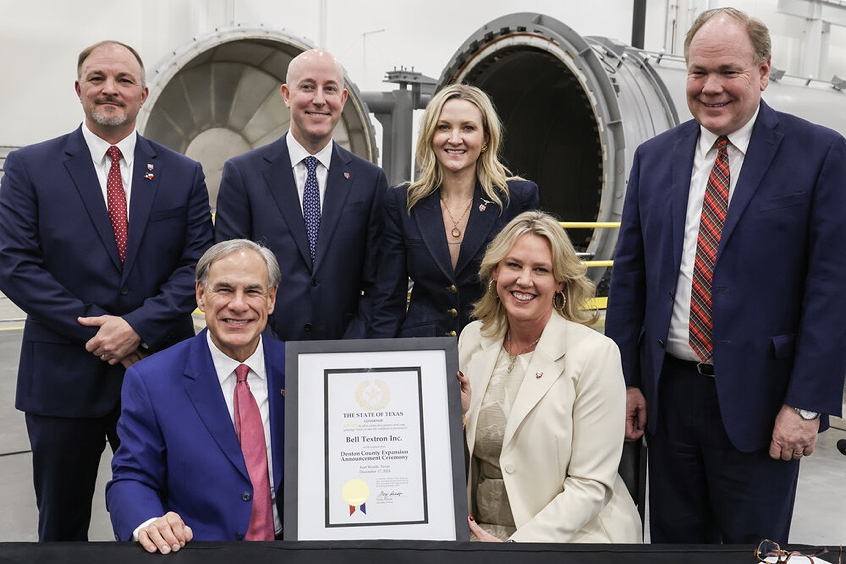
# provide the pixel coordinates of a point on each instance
(575, 109)
(218, 97)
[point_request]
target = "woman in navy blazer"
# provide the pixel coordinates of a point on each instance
(437, 227)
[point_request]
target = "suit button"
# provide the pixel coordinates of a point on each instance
(509, 468)
(453, 312)
(239, 536)
(451, 334)
(307, 327)
(245, 496)
(124, 291)
(453, 288)
(314, 283)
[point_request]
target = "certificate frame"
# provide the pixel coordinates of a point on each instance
(413, 441)
(318, 378)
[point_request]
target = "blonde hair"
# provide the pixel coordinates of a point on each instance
(490, 172)
(566, 268)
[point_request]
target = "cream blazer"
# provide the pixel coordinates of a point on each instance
(564, 437)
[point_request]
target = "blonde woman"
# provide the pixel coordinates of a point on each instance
(545, 419)
(437, 227)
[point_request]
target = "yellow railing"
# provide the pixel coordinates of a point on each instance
(594, 303)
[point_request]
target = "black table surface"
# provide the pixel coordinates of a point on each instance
(395, 552)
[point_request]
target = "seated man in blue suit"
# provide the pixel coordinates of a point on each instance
(727, 297)
(317, 206)
(201, 425)
(100, 230)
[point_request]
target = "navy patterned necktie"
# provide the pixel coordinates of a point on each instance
(311, 204)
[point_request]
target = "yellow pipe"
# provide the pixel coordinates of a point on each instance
(590, 224)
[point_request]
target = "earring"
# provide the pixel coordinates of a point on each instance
(484, 148)
(559, 300)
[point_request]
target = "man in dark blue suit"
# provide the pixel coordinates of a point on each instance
(184, 468)
(727, 296)
(99, 233)
(317, 206)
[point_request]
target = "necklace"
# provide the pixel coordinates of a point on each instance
(512, 358)
(456, 232)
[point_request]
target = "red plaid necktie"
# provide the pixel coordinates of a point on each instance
(714, 208)
(116, 199)
(250, 432)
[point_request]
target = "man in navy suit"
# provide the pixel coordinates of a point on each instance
(727, 296)
(317, 206)
(183, 467)
(100, 230)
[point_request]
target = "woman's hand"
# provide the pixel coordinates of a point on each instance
(464, 382)
(478, 532)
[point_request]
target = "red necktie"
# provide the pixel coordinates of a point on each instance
(116, 199)
(250, 432)
(714, 208)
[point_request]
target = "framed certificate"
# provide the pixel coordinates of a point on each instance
(374, 446)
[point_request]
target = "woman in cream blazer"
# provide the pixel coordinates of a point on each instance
(563, 436)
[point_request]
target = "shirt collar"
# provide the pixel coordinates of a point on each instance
(98, 146)
(739, 139)
(225, 365)
(297, 152)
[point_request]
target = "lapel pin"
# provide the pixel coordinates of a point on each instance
(347, 175)
(484, 205)
(538, 374)
(150, 166)
(282, 391)
(149, 176)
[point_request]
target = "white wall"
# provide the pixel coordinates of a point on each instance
(40, 39)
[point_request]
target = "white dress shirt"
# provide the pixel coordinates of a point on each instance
(678, 343)
(257, 380)
(297, 153)
(102, 162)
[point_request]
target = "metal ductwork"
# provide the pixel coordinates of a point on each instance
(219, 97)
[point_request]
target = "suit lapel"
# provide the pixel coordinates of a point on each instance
(280, 183)
(143, 194)
(479, 226)
(274, 365)
(762, 148)
(430, 223)
(79, 166)
(203, 389)
(339, 182)
(682, 164)
(545, 367)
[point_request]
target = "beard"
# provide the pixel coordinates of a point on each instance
(113, 120)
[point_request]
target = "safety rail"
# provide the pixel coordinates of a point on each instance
(598, 302)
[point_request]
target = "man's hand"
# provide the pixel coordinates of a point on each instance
(115, 338)
(635, 413)
(166, 534)
(793, 437)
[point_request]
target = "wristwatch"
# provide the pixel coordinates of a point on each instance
(805, 414)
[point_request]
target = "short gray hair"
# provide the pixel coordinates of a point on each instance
(225, 248)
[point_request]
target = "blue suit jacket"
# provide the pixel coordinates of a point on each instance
(778, 298)
(258, 200)
(178, 448)
(58, 261)
(415, 246)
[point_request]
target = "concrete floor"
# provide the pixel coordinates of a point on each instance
(818, 517)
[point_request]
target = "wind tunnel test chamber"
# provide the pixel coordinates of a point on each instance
(573, 108)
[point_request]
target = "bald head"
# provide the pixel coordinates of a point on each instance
(313, 57)
(314, 92)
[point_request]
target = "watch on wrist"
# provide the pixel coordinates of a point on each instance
(805, 414)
